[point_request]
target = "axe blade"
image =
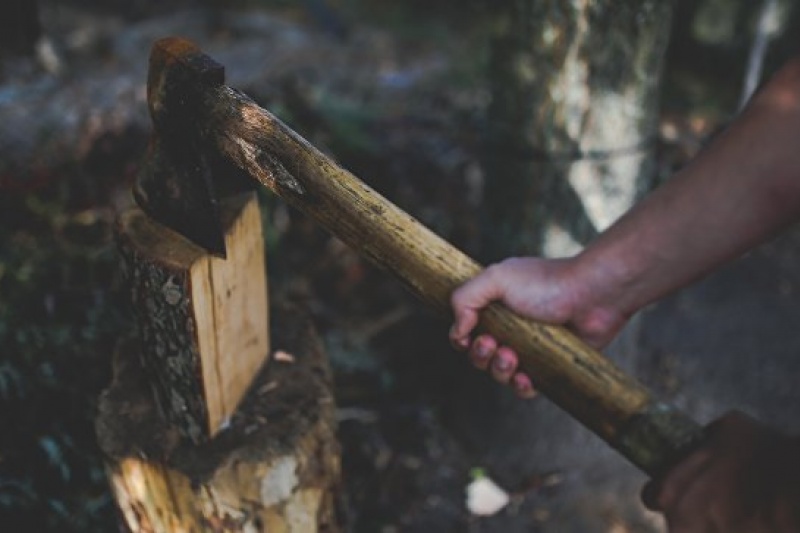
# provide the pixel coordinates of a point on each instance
(175, 188)
(176, 185)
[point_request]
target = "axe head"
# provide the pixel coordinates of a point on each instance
(182, 176)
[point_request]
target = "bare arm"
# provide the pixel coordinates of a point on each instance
(739, 191)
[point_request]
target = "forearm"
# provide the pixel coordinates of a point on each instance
(736, 193)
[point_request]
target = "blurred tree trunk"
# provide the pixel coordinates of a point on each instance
(571, 134)
(573, 120)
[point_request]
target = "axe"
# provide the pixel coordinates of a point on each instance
(210, 139)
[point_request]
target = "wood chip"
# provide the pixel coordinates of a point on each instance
(283, 357)
(269, 387)
(485, 498)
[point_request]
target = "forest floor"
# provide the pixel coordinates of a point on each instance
(401, 109)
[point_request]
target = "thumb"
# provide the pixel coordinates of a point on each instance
(465, 322)
(468, 300)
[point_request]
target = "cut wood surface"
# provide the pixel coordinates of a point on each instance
(576, 377)
(203, 320)
(275, 469)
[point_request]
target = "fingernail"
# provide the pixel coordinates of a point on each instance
(459, 344)
(502, 364)
(482, 352)
(452, 332)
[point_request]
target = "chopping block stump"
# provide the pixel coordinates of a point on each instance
(201, 429)
(275, 468)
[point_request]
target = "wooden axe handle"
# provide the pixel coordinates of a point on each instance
(592, 389)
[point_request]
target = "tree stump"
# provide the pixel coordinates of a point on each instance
(199, 433)
(274, 468)
(203, 320)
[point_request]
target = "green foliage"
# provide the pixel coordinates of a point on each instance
(59, 316)
(11, 382)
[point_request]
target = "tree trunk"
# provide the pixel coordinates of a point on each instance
(573, 120)
(275, 468)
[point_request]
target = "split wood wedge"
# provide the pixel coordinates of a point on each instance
(189, 101)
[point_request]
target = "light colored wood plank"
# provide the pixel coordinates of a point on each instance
(230, 298)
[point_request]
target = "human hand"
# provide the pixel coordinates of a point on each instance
(554, 291)
(745, 478)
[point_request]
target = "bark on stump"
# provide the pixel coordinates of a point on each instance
(274, 468)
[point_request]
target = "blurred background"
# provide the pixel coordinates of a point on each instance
(518, 127)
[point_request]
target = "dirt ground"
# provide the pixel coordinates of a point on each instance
(415, 419)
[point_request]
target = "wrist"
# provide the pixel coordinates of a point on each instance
(608, 284)
(592, 309)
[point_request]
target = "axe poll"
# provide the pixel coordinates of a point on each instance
(207, 136)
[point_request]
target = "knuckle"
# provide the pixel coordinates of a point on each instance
(512, 261)
(661, 496)
(649, 495)
(664, 499)
(493, 272)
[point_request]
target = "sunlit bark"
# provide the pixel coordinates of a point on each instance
(573, 120)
